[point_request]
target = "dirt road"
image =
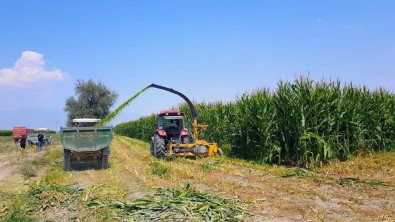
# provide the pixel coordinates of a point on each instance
(11, 158)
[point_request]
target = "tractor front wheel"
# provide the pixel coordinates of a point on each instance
(159, 148)
(186, 140)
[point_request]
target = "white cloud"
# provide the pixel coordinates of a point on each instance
(28, 69)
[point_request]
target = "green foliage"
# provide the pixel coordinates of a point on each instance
(18, 217)
(5, 132)
(302, 123)
(299, 173)
(39, 198)
(210, 165)
(159, 169)
(113, 114)
(179, 205)
(94, 101)
(17, 210)
(56, 176)
(142, 128)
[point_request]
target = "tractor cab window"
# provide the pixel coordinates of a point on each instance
(172, 127)
(166, 122)
(171, 123)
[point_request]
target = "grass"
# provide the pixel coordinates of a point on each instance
(18, 210)
(210, 165)
(29, 194)
(7, 144)
(300, 173)
(348, 180)
(157, 168)
(129, 190)
(28, 170)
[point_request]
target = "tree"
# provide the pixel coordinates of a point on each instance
(93, 101)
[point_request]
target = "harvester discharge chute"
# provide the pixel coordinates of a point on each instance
(172, 139)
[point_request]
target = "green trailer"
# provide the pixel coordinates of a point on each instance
(84, 142)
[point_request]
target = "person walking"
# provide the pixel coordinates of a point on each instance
(22, 142)
(40, 141)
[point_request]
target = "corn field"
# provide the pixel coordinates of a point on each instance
(142, 129)
(300, 123)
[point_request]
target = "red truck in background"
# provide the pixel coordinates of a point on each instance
(18, 131)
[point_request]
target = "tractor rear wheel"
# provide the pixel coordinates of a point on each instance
(151, 148)
(67, 160)
(159, 148)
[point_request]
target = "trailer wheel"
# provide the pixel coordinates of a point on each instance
(104, 162)
(67, 159)
(104, 158)
(159, 146)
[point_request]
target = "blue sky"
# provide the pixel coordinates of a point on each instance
(209, 50)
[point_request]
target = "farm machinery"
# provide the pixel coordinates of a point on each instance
(171, 138)
(85, 141)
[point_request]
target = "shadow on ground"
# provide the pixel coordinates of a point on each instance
(82, 166)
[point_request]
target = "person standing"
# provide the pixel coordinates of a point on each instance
(40, 141)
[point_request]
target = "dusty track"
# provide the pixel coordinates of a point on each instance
(12, 158)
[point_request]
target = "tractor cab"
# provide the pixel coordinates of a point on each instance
(171, 124)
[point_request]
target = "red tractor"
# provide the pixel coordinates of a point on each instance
(170, 130)
(173, 139)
